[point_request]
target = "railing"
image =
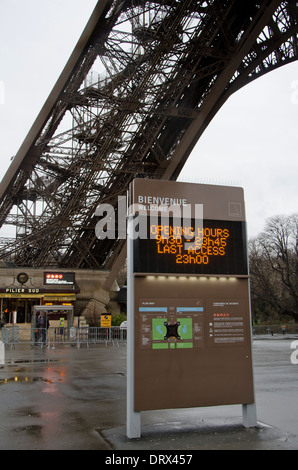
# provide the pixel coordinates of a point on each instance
(54, 336)
(275, 329)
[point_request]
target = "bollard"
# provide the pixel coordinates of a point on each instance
(2, 353)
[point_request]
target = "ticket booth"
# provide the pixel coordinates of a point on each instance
(54, 312)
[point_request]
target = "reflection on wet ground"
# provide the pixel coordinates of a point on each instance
(19, 374)
(37, 361)
(56, 399)
(75, 399)
(24, 380)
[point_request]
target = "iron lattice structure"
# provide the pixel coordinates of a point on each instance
(143, 83)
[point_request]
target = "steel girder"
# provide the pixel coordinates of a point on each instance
(143, 83)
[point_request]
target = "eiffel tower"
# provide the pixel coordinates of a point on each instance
(142, 84)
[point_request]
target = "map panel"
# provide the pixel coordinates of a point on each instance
(164, 325)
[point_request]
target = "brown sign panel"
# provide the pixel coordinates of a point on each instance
(220, 202)
(192, 335)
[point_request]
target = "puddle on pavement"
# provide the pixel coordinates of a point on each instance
(24, 380)
(24, 374)
(30, 361)
(33, 430)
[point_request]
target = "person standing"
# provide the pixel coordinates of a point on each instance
(42, 325)
(61, 326)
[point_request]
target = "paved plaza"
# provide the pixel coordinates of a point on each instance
(75, 399)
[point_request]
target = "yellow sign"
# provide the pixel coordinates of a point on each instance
(106, 320)
(59, 297)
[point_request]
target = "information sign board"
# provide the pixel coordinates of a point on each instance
(189, 323)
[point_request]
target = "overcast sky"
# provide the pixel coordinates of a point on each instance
(252, 142)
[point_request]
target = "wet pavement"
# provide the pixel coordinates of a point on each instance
(75, 399)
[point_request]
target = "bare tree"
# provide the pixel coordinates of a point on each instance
(274, 267)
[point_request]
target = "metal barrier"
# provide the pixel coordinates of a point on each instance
(85, 335)
(272, 330)
(10, 335)
(54, 336)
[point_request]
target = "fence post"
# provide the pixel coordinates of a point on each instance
(49, 338)
(2, 353)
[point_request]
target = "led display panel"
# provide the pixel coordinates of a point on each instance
(218, 248)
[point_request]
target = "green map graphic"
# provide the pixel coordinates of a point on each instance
(159, 329)
(185, 328)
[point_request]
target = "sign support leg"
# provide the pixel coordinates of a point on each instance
(249, 411)
(249, 414)
(133, 418)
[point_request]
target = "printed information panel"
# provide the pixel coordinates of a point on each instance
(226, 322)
(191, 351)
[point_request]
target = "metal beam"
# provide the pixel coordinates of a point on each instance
(143, 83)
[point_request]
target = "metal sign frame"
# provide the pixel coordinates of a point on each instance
(207, 333)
